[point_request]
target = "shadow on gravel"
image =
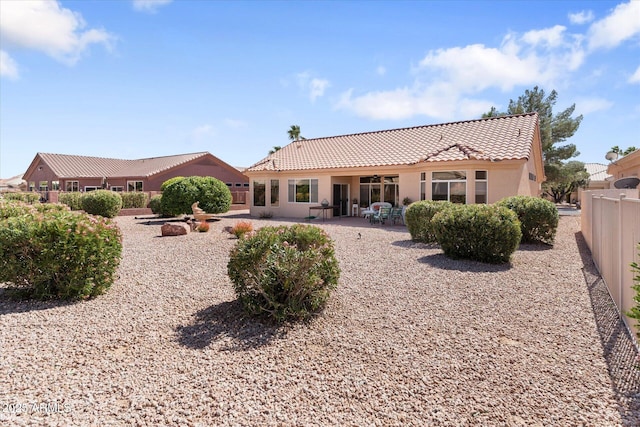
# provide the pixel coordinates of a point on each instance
(534, 247)
(443, 263)
(11, 304)
(618, 349)
(227, 319)
(161, 221)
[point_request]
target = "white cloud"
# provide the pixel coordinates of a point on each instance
(202, 131)
(8, 67)
(622, 24)
(149, 6)
(581, 17)
(635, 77)
(447, 81)
(47, 27)
(591, 105)
(315, 87)
(234, 123)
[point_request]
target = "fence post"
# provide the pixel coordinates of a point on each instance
(619, 256)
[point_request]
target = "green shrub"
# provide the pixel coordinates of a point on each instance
(538, 217)
(170, 181)
(634, 313)
(27, 197)
(212, 194)
(58, 254)
(13, 207)
(71, 199)
(51, 207)
(156, 204)
(478, 232)
(134, 199)
(284, 272)
(418, 219)
(102, 202)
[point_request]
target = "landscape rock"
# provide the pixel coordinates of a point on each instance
(168, 229)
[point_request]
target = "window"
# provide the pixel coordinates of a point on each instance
(369, 190)
(44, 185)
(55, 185)
(532, 176)
(423, 186)
(88, 188)
(303, 191)
(32, 186)
(134, 185)
(259, 193)
(481, 186)
(72, 186)
(275, 192)
(117, 188)
(238, 184)
(450, 185)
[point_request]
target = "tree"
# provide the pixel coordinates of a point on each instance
(274, 149)
(294, 133)
(563, 179)
(617, 150)
(554, 129)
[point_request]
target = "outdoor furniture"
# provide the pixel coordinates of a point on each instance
(324, 210)
(373, 209)
(397, 214)
(199, 214)
(381, 215)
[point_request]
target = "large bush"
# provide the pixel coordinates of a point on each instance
(27, 197)
(418, 218)
(212, 194)
(102, 202)
(71, 199)
(9, 208)
(538, 217)
(170, 181)
(59, 254)
(134, 199)
(284, 272)
(478, 232)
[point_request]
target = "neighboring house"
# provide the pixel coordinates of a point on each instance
(625, 167)
(476, 161)
(599, 179)
(15, 183)
(61, 172)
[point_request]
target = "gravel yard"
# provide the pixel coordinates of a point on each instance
(410, 338)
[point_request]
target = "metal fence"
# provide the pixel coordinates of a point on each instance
(611, 227)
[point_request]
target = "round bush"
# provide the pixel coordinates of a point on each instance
(285, 273)
(478, 232)
(212, 194)
(57, 254)
(134, 199)
(156, 204)
(170, 181)
(102, 202)
(71, 199)
(418, 219)
(538, 217)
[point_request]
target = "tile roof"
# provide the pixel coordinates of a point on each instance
(496, 138)
(597, 171)
(71, 166)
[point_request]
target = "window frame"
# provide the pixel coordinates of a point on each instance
(72, 184)
(292, 197)
(135, 186)
(436, 181)
(274, 189)
(484, 181)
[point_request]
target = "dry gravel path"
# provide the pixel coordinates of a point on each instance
(410, 338)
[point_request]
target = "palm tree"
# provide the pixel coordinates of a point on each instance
(274, 149)
(294, 133)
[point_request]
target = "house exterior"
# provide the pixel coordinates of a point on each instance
(51, 173)
(599, 179)
(625, 167)
(476, 161)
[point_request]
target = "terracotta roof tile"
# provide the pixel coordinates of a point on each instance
(496, 138)
(71, 166)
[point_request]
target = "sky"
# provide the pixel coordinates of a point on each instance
(146, 78)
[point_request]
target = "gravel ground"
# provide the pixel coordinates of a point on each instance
(410, 338)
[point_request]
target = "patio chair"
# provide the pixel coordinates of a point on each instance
(381, 216)
(397, 214)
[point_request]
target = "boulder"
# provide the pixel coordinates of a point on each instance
(174, 229)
